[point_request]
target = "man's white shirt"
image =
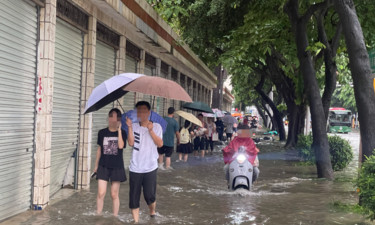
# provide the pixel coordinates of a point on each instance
(145, 154)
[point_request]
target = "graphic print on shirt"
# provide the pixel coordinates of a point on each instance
(137, 138)
(110, 145)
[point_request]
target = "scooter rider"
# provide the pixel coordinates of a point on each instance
(243, 139)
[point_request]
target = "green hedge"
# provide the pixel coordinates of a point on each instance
(304, 148)
(340, 151)
(366, 186)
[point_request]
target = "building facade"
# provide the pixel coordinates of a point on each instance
(228, 99)
(53, 53)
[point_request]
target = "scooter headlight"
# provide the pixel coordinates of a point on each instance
(241, 158)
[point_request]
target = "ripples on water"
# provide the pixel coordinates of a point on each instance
(196, 193)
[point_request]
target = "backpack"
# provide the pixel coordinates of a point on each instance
(184, 136)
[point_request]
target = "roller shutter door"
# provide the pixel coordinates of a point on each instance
(66, 100)
(104, 69)
(18, 38)
(130, 67)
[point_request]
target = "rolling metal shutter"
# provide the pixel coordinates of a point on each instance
(66, 100)
(150, 72)
(104, 69)
(130, 67)
(18, 39)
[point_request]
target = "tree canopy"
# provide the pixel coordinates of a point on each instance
(293, 47)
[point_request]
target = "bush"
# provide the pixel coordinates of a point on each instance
(340, 151)
(304, 148)
(366, 186)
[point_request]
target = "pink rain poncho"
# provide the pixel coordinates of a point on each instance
(234, 145)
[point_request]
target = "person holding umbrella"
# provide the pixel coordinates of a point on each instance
(229, 122)
(145, 137)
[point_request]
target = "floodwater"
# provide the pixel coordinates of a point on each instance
(196, 193)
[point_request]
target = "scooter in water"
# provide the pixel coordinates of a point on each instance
(240, 171)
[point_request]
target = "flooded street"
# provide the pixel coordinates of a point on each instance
(196, 193)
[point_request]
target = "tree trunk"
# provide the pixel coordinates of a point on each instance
(273, 124)
(296, 124)
(320, 139)
(361, 73)
(286, 88)
(261, 113)
(277, 116)
(329, 54)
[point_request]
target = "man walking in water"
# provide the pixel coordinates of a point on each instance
(144, 137)
(168, 140)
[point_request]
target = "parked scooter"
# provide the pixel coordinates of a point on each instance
(240, 171)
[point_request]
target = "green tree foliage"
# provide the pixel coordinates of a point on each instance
(366, 186)
(344, 93)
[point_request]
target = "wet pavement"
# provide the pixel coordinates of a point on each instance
(196, 193)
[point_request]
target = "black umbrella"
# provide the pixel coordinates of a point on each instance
(198, 106)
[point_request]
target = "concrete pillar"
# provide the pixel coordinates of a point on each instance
(158, 67)
(121, 55)
(199, 87)
(45, 72)
(177, 106)
(186, 85)
(88, 72)
(205, 95)
(120, 66)
(141, 69)
(168, 102)
(191, 89)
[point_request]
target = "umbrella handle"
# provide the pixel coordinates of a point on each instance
(120, 105)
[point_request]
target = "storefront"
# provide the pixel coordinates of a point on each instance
(18, 48)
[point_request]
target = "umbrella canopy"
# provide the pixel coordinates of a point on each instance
(109, 91)
(228, 119)
(237, 114)
(190, 117)
(198, 106)
(226, 113)
(217, 113)
(208, 114)
(158, 86)
(132, 114)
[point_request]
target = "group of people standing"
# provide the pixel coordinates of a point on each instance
(191, 138)
(149, 146)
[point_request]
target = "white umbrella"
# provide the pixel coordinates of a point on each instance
(190, 117)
